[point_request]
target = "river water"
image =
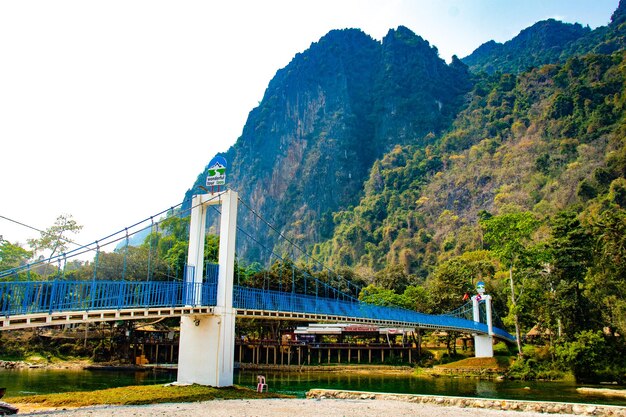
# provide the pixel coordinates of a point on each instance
(41, 381)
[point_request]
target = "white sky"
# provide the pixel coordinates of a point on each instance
(110, 109)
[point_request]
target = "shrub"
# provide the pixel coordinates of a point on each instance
(501, 349)
(584, 355)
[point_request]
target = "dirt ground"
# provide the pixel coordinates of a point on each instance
(281, 408)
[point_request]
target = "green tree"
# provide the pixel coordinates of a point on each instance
(417, 298)
(571, 254)
(54, 238)
(457, 276)
(509, 238)
(583, 355)
(379, 296)
(172, 243)
(12, 255)
(450, 281)
(167, 247)
(130, 264)
(606, 282)
(393, 277)
(414, 297)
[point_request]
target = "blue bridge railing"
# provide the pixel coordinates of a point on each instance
(17, 298)
(257, 299)
(25, 297)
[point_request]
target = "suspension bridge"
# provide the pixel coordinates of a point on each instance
(208, 300)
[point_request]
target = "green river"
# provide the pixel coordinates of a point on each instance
(40, 381)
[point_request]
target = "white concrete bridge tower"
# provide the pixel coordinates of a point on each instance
(207, 341)
(483, 343)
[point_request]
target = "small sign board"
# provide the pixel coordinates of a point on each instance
(360, 328)
(216, 172)
(480, 287)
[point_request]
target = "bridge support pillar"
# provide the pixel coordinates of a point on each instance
(207, 349)
(483, 343)
(207, 342)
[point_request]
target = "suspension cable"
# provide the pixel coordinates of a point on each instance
(332, 273)
(82, 249)
(285, 237)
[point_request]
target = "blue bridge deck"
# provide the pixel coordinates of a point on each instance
(21, 298)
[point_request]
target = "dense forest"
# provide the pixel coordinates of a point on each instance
(417, 178)
(526, 191)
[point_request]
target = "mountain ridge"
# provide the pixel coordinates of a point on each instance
(549, 42)
(335, 122)
(332, 111)
(540, 44)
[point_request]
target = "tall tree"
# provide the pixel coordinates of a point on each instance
(509, 238)
(571, 253)
(457, 276)
(607, 279)
(54, 238)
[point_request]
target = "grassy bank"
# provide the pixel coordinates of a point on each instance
(497, 365)
(140, 394)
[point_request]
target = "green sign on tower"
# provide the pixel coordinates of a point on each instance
(216, 172)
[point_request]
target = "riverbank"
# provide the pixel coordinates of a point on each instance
(178, 397)
(44, 364)
(135, 395)
(199, 401)
(315, 407)
(90, 366)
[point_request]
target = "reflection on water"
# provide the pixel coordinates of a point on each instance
(299, 383)
(487, 389)
(40, 381)
(45, 381)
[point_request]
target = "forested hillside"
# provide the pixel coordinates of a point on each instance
(423, 178)
(527, 192)
(542, 141)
